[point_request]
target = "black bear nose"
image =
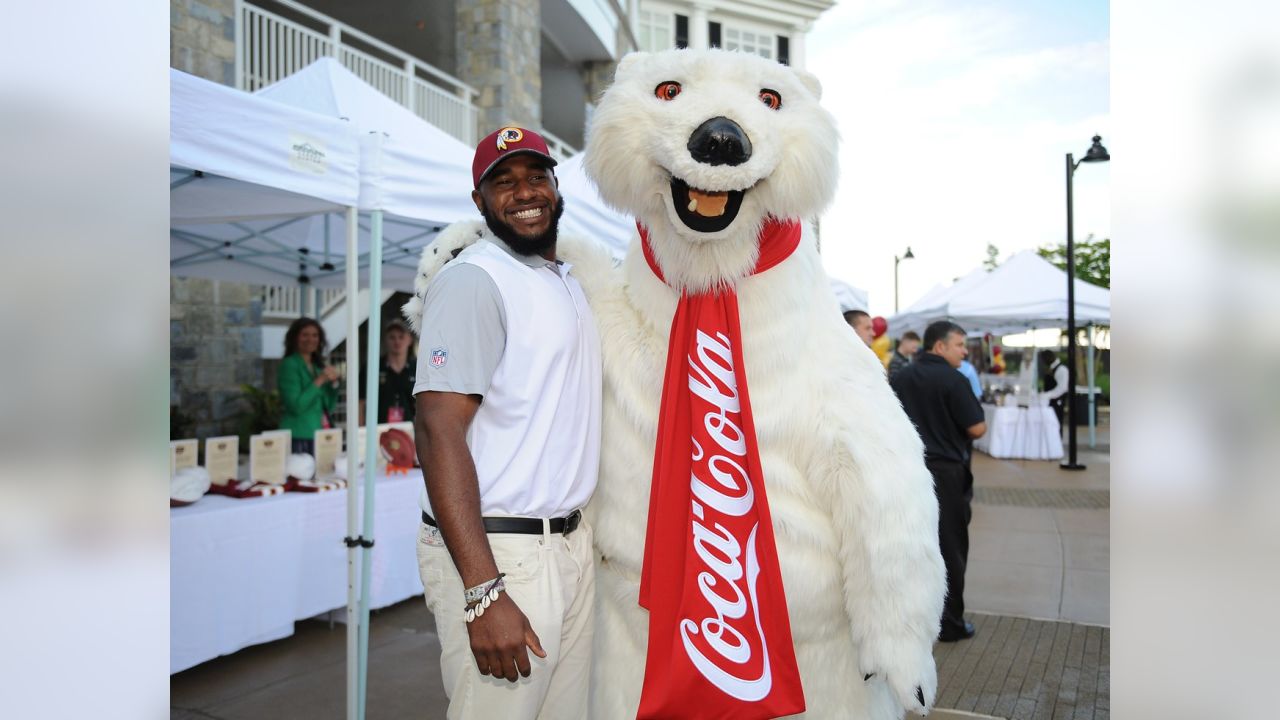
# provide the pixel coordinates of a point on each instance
(720, 141)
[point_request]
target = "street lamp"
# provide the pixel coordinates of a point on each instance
(1096, 153)
(905, 256)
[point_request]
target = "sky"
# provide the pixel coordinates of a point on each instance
(955, 119)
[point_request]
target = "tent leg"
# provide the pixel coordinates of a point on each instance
(372, 446)
(352, 431)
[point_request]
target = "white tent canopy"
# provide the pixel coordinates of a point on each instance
(270, 160)
(586, 214)
(1024, 293)
(408, 167)
(397, 163)
(848, 296)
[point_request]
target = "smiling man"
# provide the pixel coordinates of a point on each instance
(508, 435)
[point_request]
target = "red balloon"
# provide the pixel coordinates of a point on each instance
(878, 326)
(995, 350)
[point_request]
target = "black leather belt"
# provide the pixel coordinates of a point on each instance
(522, 526)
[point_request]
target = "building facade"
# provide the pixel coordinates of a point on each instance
(467, 67)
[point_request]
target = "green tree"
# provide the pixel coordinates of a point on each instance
(1093, 259)
(991, 262)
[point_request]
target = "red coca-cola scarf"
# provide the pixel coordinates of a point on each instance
(719, 637)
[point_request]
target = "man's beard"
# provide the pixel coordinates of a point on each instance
(535, 245)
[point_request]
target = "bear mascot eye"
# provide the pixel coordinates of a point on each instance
(771, 98)
(667, 90)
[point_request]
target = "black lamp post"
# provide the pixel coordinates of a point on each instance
(906, 256)
(1096, 153)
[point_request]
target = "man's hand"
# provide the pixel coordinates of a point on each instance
(499, 638)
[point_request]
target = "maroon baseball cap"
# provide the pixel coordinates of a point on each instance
(501, 144)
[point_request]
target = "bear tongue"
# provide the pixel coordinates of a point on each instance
(707, 204)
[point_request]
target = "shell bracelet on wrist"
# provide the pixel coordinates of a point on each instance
(480, 597)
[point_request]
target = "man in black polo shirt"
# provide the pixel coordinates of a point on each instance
(940, 402)
(396, 376)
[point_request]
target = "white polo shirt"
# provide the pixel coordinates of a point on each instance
(517, 330)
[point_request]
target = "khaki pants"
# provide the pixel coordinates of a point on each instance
(552, 580)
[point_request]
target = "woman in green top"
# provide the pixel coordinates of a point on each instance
(308, 388)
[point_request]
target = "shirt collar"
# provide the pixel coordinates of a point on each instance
(932, 358)
(533, 261)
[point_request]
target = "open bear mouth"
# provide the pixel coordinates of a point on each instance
(705, 211)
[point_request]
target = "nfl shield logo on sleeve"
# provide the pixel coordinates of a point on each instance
(439, 356)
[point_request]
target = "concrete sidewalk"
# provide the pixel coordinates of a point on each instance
(1037, 591)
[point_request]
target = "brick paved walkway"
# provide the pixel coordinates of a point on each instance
(1025, 669)
(1050, 498)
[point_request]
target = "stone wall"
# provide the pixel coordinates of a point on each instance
(215, 345)
(202, 39)
(499, 44)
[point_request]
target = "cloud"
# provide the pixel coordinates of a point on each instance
(954, 124)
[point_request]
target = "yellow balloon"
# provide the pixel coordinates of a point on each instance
(881, 346)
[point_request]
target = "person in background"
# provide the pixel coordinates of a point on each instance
(861, 323)
(971, 374)
(308, 387)
(1055, 381)
(941, 405)
(908, 344)
(508, 434)
(397, 370)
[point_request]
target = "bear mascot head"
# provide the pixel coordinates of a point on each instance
(703, 148)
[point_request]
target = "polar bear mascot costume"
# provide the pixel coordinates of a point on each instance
(783, 558)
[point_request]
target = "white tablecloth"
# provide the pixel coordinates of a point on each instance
(1028, 433)
(242, 571)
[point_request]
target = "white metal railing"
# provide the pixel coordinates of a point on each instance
(331, 299)
(288, 302)
(282, 302)
(560, 149)
(270, 47)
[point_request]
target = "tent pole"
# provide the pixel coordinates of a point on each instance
(372, 446)
(1093, 410)
(352, 431)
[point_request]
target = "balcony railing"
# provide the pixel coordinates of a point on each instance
(288, 302)
(560, 149)
(270, 47)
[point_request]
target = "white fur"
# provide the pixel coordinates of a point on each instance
(637, 143)
(853, 506)
(854, 513)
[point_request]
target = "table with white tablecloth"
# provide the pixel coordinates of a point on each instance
(1016, 432)
(242, 571)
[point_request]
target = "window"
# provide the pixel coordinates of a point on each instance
(682, 31)
(656, 31)
(748, 41)
(784, 49)
(713, 34)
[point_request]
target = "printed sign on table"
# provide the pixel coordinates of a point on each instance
(183, 454)
(222, 459)
(328, 447)
(268, 458)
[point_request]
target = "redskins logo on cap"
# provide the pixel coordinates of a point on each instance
(509, 135)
